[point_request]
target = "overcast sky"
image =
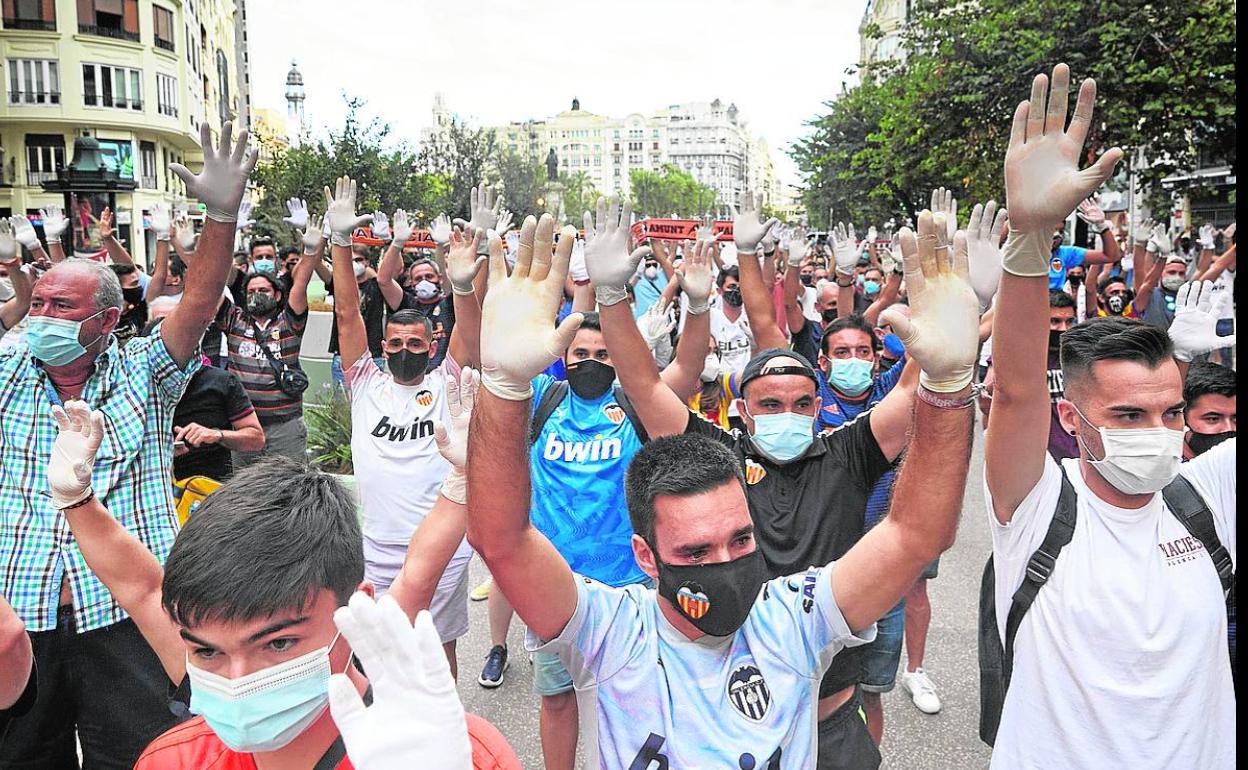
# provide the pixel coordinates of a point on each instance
(779, 60)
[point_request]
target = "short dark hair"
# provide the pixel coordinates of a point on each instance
(1103, 285)
(1112, 339)
(120, 270)
(681, 465)
(852, 321)
(176, 265)
(409, 317)
(592, 321)
(260, 240)
(266, 275)
(1204, 379)
(266, 541)
(288, 252)
(731, 271)
(1060, 299)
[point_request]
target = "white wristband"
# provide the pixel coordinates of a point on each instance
(1027, 254)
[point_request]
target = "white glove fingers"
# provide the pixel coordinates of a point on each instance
(911, 269)
(543, 251)
(1018, 127)
(498, 265)
(1084, 107)
(524, 255)
(1206, 296)
(1059, 95)
(998, 226)
(345, 704)
(61, 418)
(1036, 116)
(900, 323)
(961, 260)
(561, 337)
(436, 668)
(557, 270)
(470, 381)
(1181, 297)
(183, 172)
(927, 243)
(975, 224)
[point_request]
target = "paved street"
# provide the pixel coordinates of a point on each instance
(912, 740)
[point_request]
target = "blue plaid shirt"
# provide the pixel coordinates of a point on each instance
(137, 388)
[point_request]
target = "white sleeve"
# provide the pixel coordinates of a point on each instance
(1213, 475)
(799, 615)
(604, 632)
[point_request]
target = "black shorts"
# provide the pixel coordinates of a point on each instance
(844, 743)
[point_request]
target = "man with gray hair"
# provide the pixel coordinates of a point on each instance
(98, 680)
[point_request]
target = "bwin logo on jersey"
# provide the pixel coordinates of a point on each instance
(748, 693)
(582, 451)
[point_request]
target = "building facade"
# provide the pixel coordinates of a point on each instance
(137, 75)
(889, 18)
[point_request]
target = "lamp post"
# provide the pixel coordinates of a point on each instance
(88, 187)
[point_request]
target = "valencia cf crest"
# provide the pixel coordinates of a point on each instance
(614, 413)
(424, 398)
(831, 409)
(693, 602)
(754, 472)
(748, 693)
(1056, 264)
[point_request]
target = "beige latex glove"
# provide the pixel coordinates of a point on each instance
(983, 234)
(695, 276)
(462, 262)
(452, 437)
(607, 259)
(340, 211)
(80, 431)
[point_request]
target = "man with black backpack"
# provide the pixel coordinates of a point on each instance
(1103, 624)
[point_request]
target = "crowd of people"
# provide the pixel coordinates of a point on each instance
(712, 478)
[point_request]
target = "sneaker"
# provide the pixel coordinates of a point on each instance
(921, 690)
(495, 665)
(481, 592)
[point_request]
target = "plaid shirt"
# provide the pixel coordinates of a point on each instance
(137, 388)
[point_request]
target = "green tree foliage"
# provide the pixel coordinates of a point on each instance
(1165, 81)
(579, 196)
(522, 181)
(669, 191)
(460, 156)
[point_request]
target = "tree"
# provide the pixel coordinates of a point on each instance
(579, 195)
(523, 181)
(1164, 72)
(460, 155)
(669, 191)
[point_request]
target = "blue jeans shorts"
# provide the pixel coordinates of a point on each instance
(883, 656)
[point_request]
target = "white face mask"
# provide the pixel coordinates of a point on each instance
(710, 369)
(1138, 461)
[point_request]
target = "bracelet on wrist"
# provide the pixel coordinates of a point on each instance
(943, 401)
(90, 496)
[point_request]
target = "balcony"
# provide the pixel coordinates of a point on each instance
(34, 98)
(147, 182)
(36, 178)
(37, 25)
(113, 32)
(166, 45)
(121, 103)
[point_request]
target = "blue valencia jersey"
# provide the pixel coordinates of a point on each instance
(835, 411)
(652, 698)
(1062, 260)
(577, 465)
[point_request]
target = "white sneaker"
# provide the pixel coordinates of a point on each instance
(921, 690)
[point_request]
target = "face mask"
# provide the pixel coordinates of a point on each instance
(1138, 461)
(259, 303)
(785, 436)
(426, 290)
(829, 315)
(851, 376)
(358, 268)
(716, 598)
(267, 709)
(806, 279)
(407, 366)
(6, 289)
(871, 287)
(710, 369)
(54, 341)
(1116, 304)
(590, 379)
(263, 265)
(133, 296)
(652, 272)
(1075, 280)
(1172, 282)
(1203, 442)
(733, 297)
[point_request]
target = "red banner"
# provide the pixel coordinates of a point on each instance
(678, 230)
(363, 236)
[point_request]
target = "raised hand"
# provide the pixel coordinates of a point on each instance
(706, 231)
(747, 227)
(416, 718)
(504, 224)
(657, 323)
(340, 213)
(244, 215)
(518, 334)
(798, 247)
(162, 226)
(381, 225)
(942, 331)
(54, 222)
(1159, 241)
(983, 234)
(943, 202)
(695, 276)
(1141, 231)
(485, 206)
(24, 231)
(402, 228)
(452, 436)
(106, 225)
(844, 249)
(1207, 234)
(221, 184)
(8, 244)
(312, 235)
(462, 262)
(1091, 213)
(440, 230)
(298, 209)
(73, 453)
(184, 231)
(1195, 329)
(607, 259)
(576, 263)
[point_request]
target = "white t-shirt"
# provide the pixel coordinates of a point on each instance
(646, 692)
(735, 341)
(1226, 282)
(809, 295)
(397, 465)
(1122, 661)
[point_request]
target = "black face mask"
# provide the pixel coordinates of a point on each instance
(589, 379)
(829, 315)
(733, 297)
(1075, 280)
(407, 366)
(1203, 442)
(1116, 304)
(716, 598)
(133, 296)
(806, 279)
(259, 303)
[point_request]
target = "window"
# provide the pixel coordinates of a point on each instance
(162, 27)
(106, 86)
(167, 95)
(44, 154)
(109, 18)
(147, 164)
(34, 81)
(30, 14)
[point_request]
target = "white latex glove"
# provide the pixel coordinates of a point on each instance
(440, 230)
(1207, 234)
(416, 718)
(1043, 183)
(576, 264)
(221, 184)
(872, 234)
(695, 276)
(943, 202)
(24, 231)
(656, 324)
(462, 262)
(298, 209)
(244, 215)
(8, 244)
(402, 229)
(748, 230)
(518, 334)
(485, 206)
(312, 235)
(1141, 231)
(73, 453)
(785, 235)
(942, 331)
(1197, 309)
(381, 225)
(798, 247)
(1091, 213)
(54, 222)
(179, 208)
(505, 223)
(161, 223)
(844, 249)
(325, 231)
(770, 238)
(340, 211)
(982, 236)
(607, 260)
(1159, 241)
(452, 437)
(184, 231)
(706, 231)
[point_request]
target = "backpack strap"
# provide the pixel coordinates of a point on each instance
(1190, 509)
(549, 402)
(1040, 566)
(630, 413)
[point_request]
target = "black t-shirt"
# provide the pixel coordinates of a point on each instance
(442, 313)
(811, 511)
(214, 398)
(373, 308)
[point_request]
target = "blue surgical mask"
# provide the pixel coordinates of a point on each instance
(266, 709)
(785, 436)
(54, 341)
(264, 265)
(426, 290)
(851, 376)
(871, 287)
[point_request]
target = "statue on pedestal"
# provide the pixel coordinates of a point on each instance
(552, 165)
